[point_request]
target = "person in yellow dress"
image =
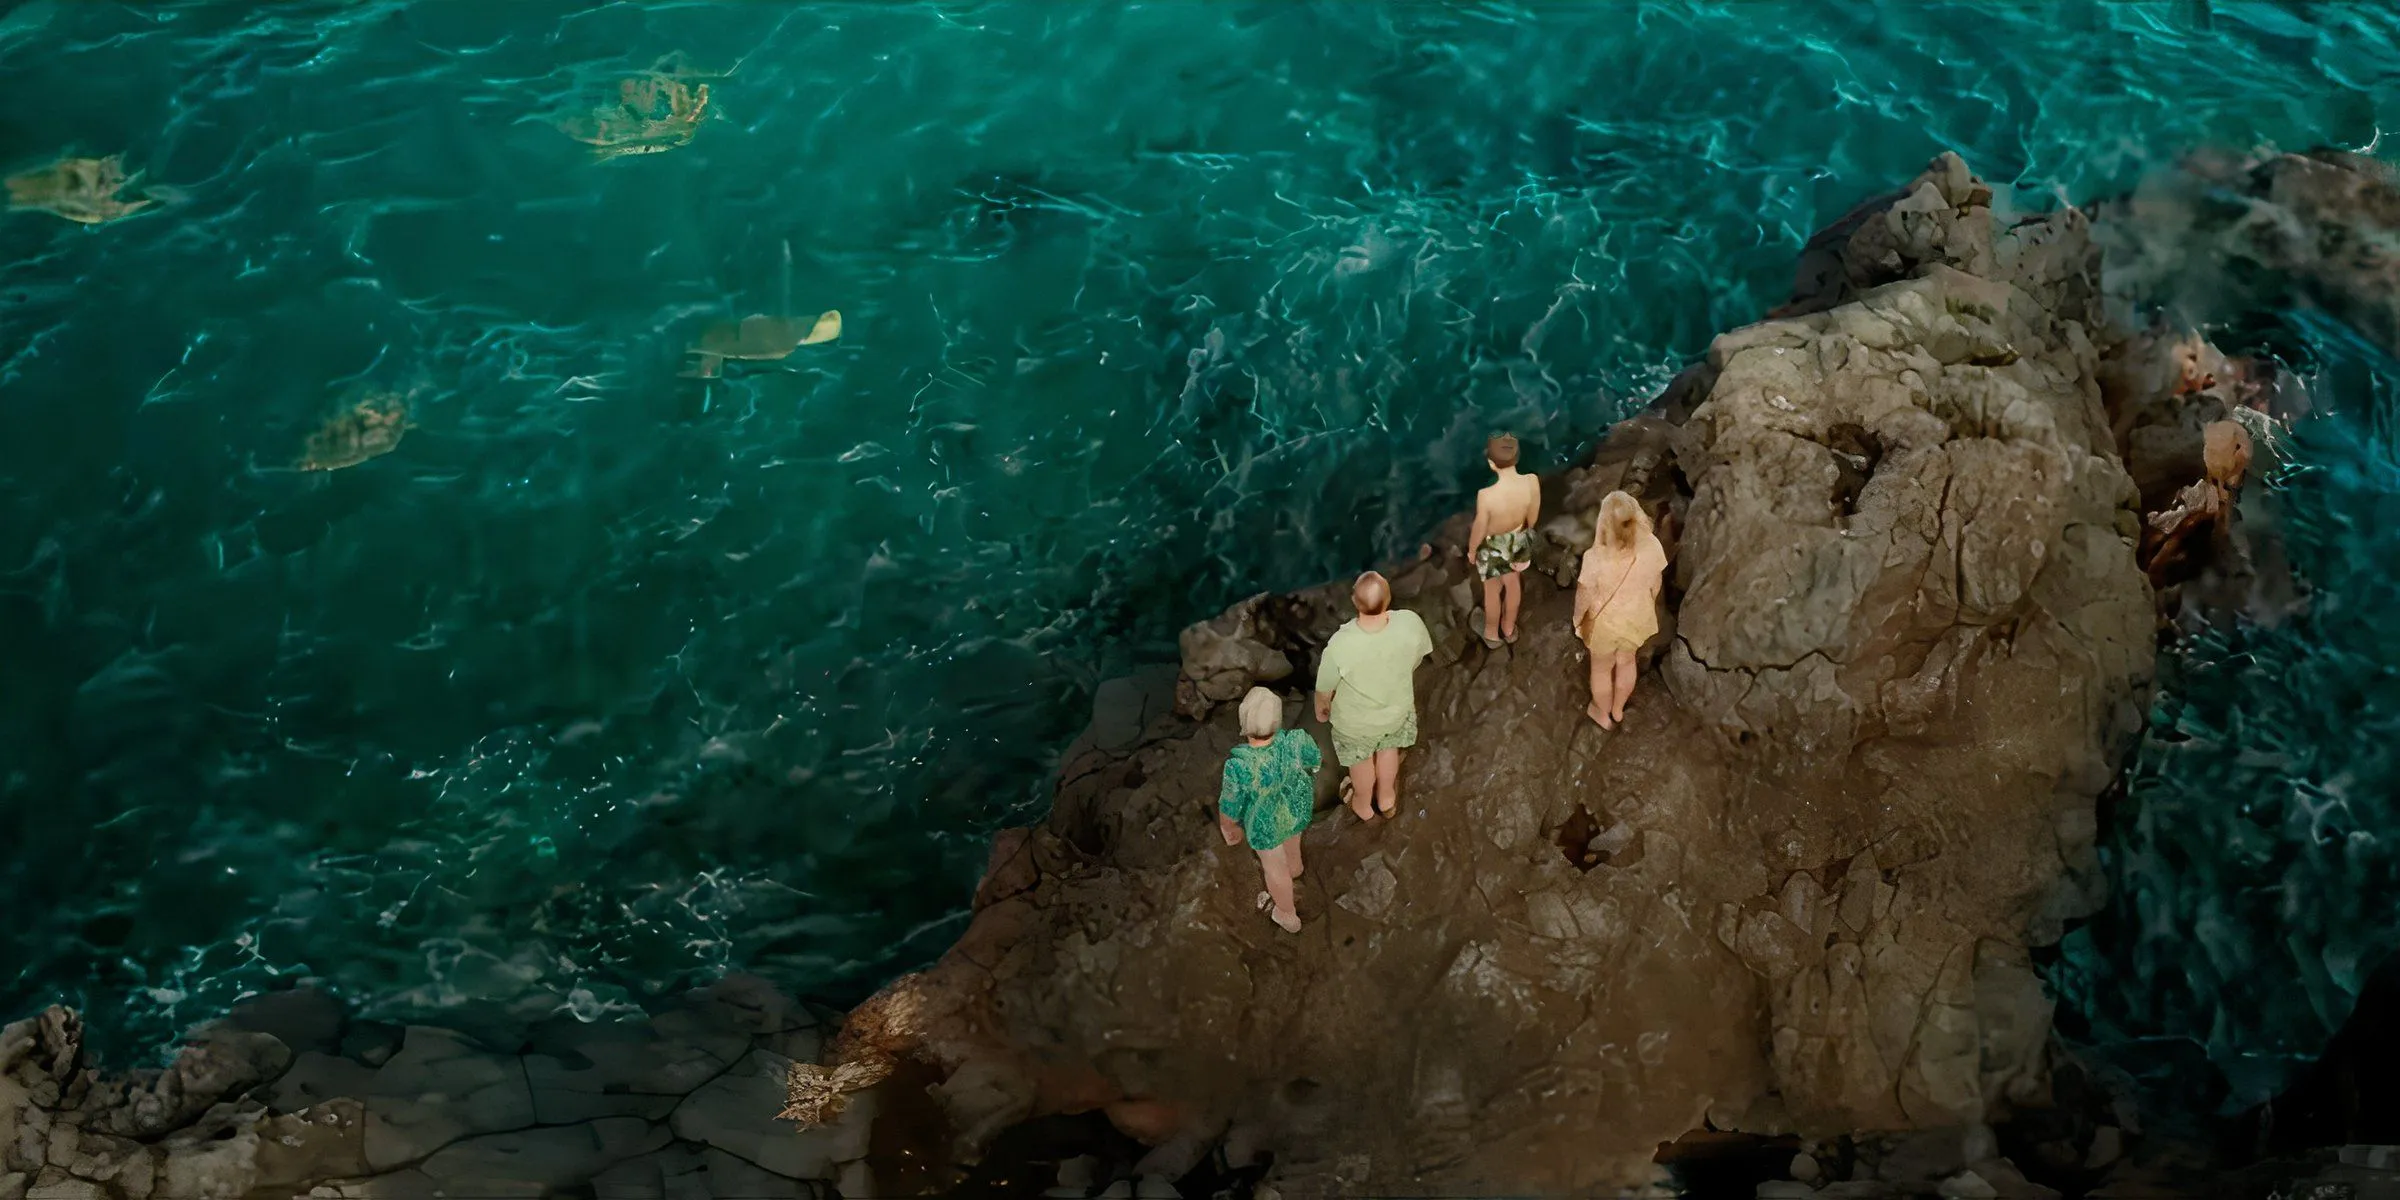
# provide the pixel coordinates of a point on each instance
(1616, 601)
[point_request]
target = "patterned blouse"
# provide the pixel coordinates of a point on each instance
(1271, 790)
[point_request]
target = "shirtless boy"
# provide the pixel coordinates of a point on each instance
(1501, 543)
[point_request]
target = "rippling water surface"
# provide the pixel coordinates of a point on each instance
(605, 679)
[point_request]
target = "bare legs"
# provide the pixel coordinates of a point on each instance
(1282, 865)
(1375, 785)
(1612, 685)
(1625, 672)
(1500, 600)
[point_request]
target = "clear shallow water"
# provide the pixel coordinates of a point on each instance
(607, 680)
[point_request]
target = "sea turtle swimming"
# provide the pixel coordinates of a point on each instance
(83, 190)
(369, 426)
(635, 124)
(758, 337)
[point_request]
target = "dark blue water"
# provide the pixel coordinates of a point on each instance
(604, 680)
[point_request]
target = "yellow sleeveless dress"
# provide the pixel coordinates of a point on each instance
(1625, 588)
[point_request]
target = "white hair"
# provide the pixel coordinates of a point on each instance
(1262, 713)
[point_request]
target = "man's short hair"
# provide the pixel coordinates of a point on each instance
(1501, 450)
(1372, 593)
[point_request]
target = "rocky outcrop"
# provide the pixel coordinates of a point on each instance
(1799, 891)
(287, 1098)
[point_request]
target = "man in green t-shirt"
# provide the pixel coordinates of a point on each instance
(1367, 690)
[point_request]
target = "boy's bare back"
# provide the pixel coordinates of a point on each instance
(1509, 505)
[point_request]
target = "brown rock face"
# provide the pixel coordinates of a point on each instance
(1795, 893)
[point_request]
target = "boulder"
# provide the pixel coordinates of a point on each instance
(1224, 658)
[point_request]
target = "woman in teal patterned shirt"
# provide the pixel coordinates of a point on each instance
(1269, 793)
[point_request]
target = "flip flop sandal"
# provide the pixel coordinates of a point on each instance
(1492, 643)
(1277, 917)
(1510, 638)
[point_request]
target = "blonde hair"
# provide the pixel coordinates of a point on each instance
(1372, 593)
(1621, 523)
(1262, 713)
(2225, 451)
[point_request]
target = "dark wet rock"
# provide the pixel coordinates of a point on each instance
(1123, 709)
(439, 1088)
(680, 1105)
(644, 1069)
(542, 1161)
(735, 1113)
(302, 1018)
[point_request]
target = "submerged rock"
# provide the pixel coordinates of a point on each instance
(654, 113)
(1910, 646)
(369, 424)
(86, 191)
(759, 338)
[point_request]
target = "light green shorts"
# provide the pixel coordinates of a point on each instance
(1351, 751)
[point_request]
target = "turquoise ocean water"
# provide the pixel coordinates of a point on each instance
(606, 680)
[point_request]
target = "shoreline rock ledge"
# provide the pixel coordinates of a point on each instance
(1795, 896)
(290, 1097)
